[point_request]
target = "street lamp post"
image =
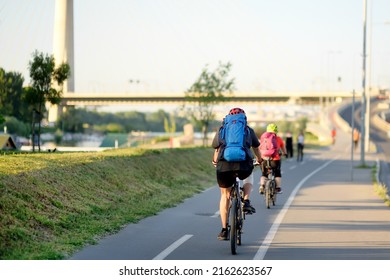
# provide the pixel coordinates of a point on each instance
(363, 112)
(353, 126)
(368, 105)
(369, 70)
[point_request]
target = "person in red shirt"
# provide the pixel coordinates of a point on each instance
(275, 162)
(333, 133)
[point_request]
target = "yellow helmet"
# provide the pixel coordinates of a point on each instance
(272, 128)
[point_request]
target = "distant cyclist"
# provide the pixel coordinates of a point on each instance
(226, 171)
(275, 160)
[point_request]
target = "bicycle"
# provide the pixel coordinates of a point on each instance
(270, 192)
(236, 216)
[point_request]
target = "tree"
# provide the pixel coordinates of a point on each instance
(170, 125)
(15, 126)
(12, 102)
(2, 94)
(15, 94)
(207, 91)
(4, 107)
(46, 86)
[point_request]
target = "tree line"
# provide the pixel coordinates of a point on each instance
(22, 108)
(27, 104)
(81, 120)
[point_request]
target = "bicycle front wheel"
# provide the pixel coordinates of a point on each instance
(233, 225)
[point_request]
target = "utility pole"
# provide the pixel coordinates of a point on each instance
(352, 126)
(369, 86)
(364, 99)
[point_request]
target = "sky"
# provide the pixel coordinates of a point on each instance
(273, 45)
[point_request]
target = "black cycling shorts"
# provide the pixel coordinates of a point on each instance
(275, 164)
(226, 179)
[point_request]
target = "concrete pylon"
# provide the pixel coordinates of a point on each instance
(63, 49)
(63, 44)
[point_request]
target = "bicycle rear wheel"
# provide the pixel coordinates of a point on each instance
(240, 222)
(233, 225)
(274, 192)
(267, 194)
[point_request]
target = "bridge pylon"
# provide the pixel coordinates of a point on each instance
(63, 49)
(63, 39)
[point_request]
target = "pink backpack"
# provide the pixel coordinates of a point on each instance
(268, 144)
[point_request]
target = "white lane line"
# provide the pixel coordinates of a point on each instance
(172, 247)
(293, 167)
(272, 232)
(216, 214)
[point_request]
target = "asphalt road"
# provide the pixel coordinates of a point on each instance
(192, 227)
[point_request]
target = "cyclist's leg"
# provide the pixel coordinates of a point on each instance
(224, 205)
(225, 181)
(263, 177)
(247, 186)
(278, 175)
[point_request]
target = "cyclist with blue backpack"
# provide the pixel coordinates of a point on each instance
(270, 146)
(233, 143)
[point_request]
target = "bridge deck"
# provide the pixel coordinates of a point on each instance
(113, 98)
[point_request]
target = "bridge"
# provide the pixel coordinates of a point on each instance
(258, 97)
(252, 98)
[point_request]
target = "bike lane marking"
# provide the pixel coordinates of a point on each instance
(275, 226)
(216, 214)
(173, 247)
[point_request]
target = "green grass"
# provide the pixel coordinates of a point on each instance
(52, 204)
(380, 189)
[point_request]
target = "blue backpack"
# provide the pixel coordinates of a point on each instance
(233, 134)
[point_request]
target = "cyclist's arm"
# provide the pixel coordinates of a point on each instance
(284, 151)
(255, 145)
(256, 150)
(215, 157)
(215, 144)
(282, 147)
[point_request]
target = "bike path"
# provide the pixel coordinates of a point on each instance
(336, 214)
(189, 231)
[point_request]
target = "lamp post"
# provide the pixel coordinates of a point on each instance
(353, 127)
(369, 70)
(368, 105)
(363, 111)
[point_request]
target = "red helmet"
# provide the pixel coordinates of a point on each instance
(236, 111)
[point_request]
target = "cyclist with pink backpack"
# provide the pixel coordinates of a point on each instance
(270, 145)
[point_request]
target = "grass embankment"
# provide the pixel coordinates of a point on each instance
(380, 189)
(52, 204)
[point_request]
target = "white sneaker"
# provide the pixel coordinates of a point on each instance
(261, 189)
